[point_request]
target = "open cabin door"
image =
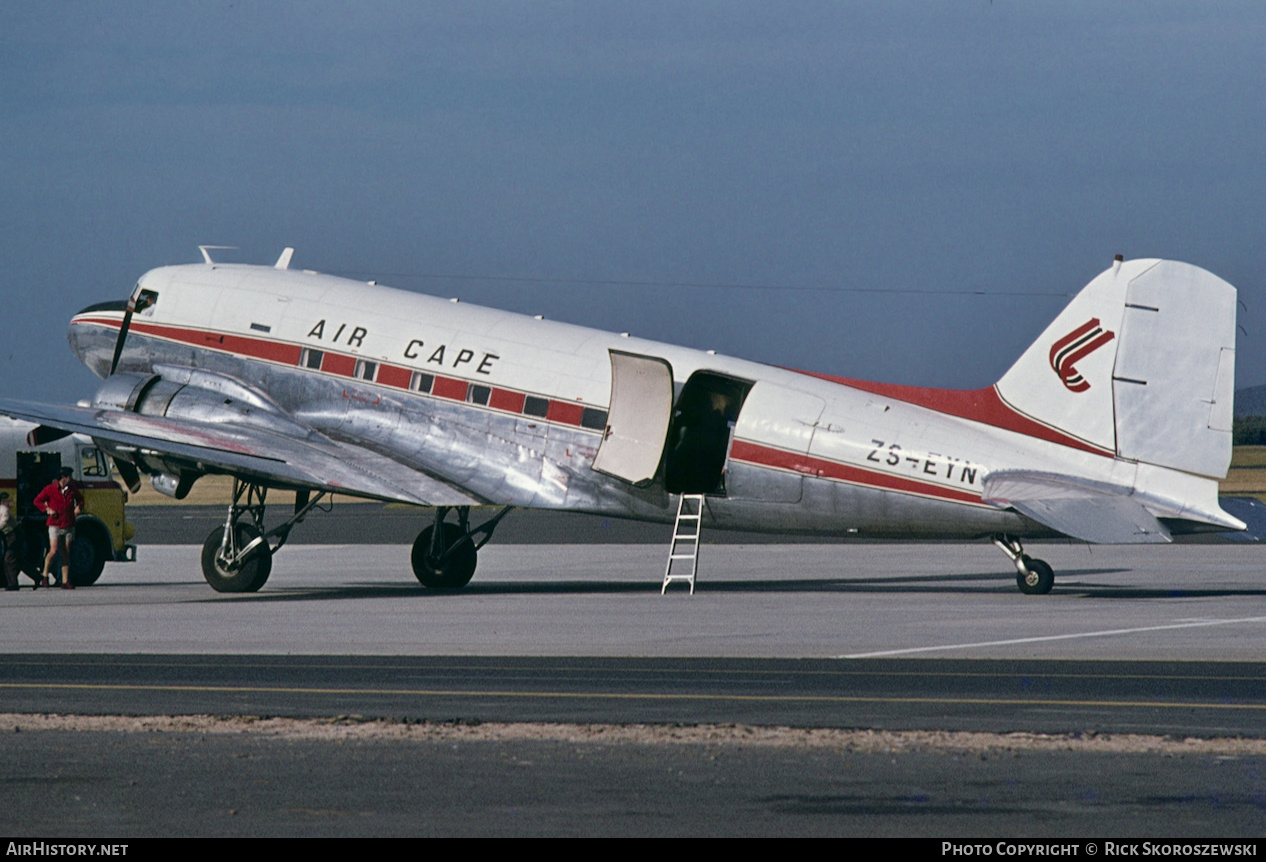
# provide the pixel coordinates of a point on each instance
(637, 419)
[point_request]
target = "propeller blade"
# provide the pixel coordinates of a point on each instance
(130, 475)
(118, 344)
(41, 434)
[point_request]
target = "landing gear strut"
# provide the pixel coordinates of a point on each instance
(444, 555)
(1034, 577)
(237, 557)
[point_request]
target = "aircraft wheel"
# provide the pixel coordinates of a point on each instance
(452, 571)
(89, 551)
(1038, 581)
(250, 574)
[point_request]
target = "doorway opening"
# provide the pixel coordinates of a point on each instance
(699, 437)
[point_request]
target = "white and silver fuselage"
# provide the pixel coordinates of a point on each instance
(512, 409)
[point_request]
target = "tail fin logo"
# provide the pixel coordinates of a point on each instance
(1075, 346)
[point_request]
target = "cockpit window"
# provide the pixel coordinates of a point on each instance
(146, 301)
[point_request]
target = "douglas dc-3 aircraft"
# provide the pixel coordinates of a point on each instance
(1113, 427)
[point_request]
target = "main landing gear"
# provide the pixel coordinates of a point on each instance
(1034, 577)
(444, 555)
(237, 557)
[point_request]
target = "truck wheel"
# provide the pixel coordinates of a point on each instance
(89, 551)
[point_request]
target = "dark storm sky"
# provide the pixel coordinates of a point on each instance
(906, 192)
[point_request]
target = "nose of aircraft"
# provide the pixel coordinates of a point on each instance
(93, 333)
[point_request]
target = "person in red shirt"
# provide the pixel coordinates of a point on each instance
(62, 502)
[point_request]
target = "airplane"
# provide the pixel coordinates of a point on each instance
(1113, 427)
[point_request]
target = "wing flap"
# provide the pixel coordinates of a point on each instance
(255, 453)
(1091, 511)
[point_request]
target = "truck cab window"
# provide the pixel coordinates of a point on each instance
(93, 464)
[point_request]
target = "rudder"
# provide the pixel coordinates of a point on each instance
(1174, 380)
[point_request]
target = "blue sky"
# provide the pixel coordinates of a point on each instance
(904, 192)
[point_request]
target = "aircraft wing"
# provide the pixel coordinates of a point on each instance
(1090, 511)
(313, 461)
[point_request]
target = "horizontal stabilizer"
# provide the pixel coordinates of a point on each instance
(260, 455)
(1090, 511)
(1252, 512)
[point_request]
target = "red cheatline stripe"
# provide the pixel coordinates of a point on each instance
(394, 375)
(257, 348)
(978, 405)
(507, 400)
(767, 456)
(565, 411)
(449, 387)
(337, 363)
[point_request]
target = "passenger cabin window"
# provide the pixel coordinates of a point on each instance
(477, 394)
(594, 419)
(311, 358)
(420, 382)
(366, 370)
(533, 406)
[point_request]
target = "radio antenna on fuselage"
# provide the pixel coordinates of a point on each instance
(206, 249)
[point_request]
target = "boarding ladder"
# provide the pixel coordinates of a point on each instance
(685, 545)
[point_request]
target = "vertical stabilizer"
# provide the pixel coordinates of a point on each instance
(1064, 379)
(1141, 363)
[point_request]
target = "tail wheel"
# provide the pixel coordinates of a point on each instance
(1038, 581)
(89, 551)
(453, 568)
(248, 575)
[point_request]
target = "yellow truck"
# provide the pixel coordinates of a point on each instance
(30, 458)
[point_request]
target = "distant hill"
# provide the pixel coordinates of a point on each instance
(1250, 401)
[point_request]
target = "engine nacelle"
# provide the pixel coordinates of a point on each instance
(174, 486)
(194, 395)
(197, 396)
